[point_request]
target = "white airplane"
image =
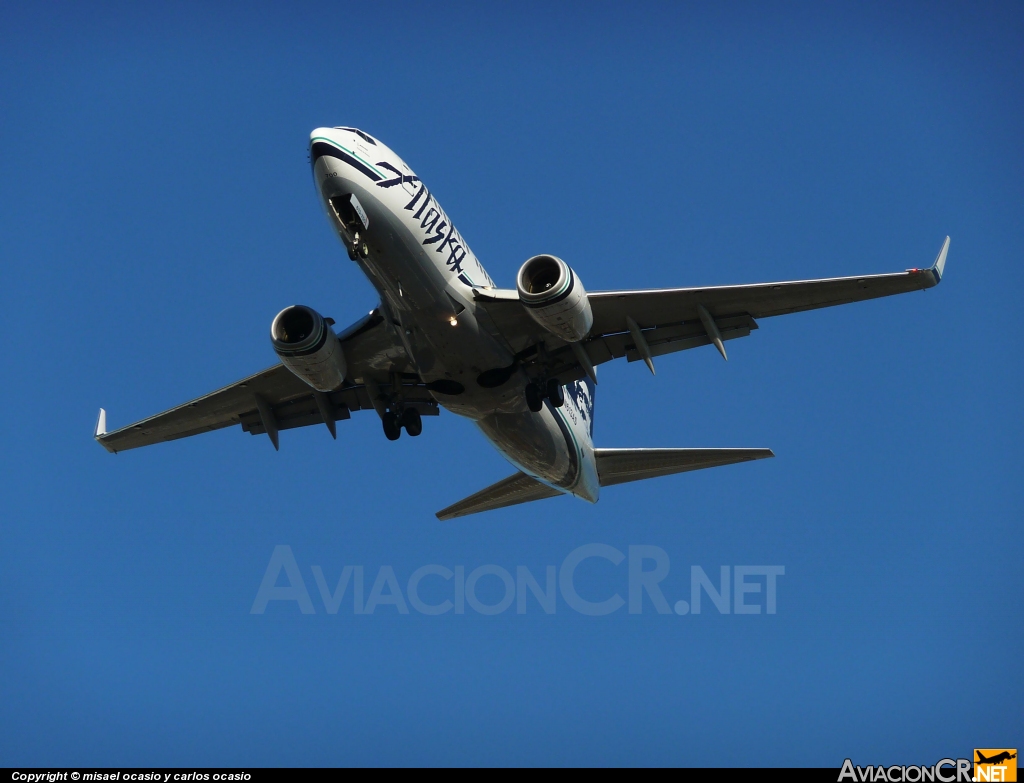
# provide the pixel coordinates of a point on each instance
(520, 362)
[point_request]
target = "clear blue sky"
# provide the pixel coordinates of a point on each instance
(156, 211)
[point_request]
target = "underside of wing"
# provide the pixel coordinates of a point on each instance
(644, 324)
(213, 411)
(266, 402)
(677, 318)
(275, 399)
(762, 300)
(518, 488)
(618, 466)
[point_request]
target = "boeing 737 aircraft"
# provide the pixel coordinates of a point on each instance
(521, 363)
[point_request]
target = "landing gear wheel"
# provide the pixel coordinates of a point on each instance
(556, 393)
(412, 422)
(364, 250)
(392, 427)
(534, 398)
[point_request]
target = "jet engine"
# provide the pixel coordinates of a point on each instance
(309, 347)
(555, 298)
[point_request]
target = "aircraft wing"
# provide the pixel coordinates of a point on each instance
(275, 399)
(674, 319)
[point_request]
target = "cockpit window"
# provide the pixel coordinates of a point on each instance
(360, 134)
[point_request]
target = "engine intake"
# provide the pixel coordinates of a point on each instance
(309, 347)
(555, 298)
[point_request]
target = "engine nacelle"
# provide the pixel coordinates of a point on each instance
(555, 298)
(309, 347)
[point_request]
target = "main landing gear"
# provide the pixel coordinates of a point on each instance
(536, 394)
(393, 423)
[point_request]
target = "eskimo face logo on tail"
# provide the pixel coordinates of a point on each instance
(582, 394)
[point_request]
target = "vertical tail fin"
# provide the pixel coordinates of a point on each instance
(582, 392)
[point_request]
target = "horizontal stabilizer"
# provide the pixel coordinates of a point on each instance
(617, 466)
(518, 488)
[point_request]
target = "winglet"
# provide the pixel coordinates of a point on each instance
(101, 430)
(940, 262)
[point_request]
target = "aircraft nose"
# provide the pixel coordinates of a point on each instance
(318, 144)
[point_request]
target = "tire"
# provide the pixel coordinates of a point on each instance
(412, 421)
(534, 398)
(392, 427)
(556, 393)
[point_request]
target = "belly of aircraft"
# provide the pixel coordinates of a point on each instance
(421, 306)
(540, 444)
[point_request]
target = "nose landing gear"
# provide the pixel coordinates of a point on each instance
(357, 248)
(353, 220)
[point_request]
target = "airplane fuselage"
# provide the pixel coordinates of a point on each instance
(519, 362)
(425, 274)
